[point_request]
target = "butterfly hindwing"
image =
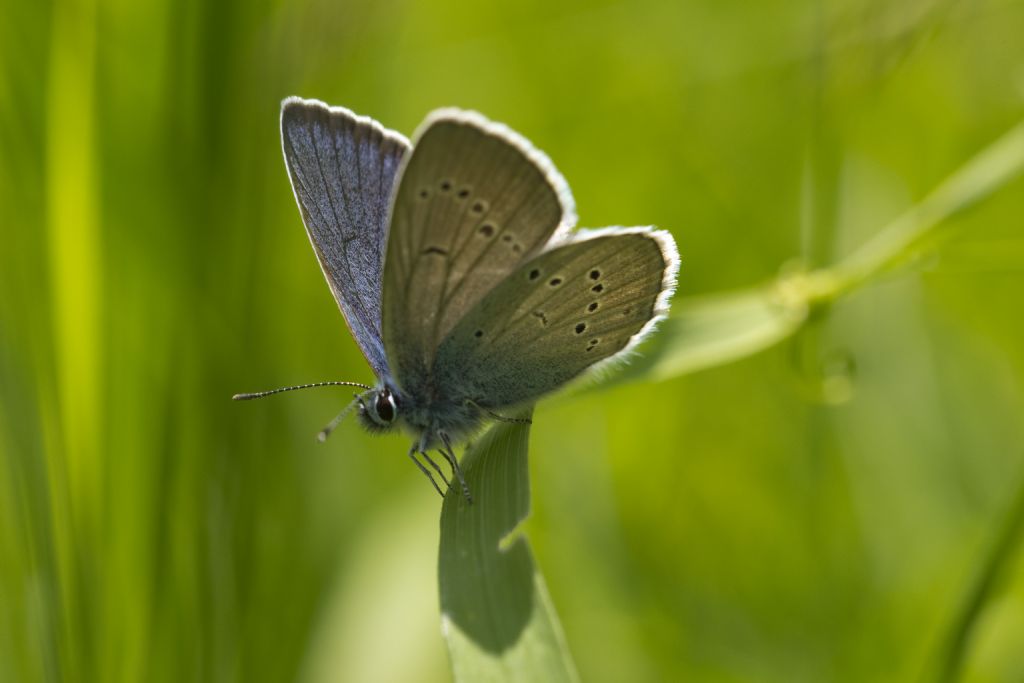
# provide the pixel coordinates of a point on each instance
(557, 315)
(342, 169)
(474, 201)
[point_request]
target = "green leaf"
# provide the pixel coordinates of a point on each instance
(496, 614)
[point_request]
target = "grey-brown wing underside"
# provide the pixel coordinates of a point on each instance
(473, 202)
(342, 168)
(557, 315)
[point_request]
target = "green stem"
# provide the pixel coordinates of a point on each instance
(718, 329)
(901, 240)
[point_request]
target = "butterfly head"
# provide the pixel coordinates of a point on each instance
(378, 410)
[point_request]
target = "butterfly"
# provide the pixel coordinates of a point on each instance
(455, 265)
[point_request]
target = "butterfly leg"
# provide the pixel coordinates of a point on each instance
(437, 468)
(449, 455)
(424, 470)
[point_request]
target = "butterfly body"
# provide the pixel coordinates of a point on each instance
(455, 265)
(422, 412)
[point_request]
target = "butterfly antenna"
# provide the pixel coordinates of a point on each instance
(261, 394)
(326, 431)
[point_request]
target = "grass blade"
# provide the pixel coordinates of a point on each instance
(991, 571)
(496, 615)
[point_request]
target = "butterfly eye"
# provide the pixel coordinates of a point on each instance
(385, 406)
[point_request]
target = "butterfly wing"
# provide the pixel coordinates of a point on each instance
(342, 169)
(557, 315)
(474, 201)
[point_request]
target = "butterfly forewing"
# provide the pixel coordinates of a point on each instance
(474, 201)
(557, 315)
(342, 168)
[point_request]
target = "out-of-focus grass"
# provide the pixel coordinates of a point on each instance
(707, 331)
(727, 525)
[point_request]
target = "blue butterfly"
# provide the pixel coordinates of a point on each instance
(455, 266)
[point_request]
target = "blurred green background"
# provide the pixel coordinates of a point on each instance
(820, 511)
